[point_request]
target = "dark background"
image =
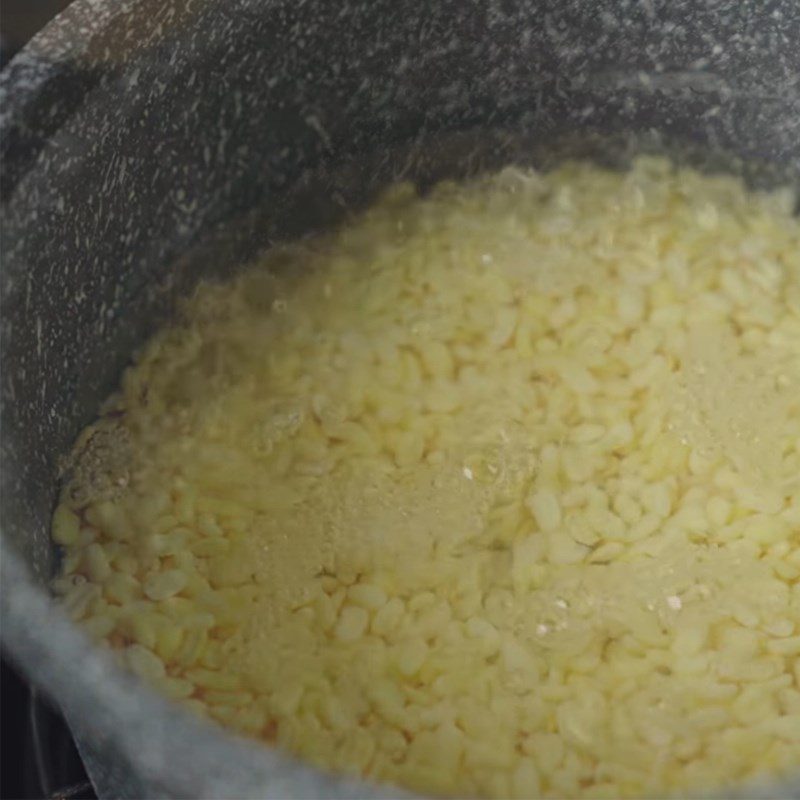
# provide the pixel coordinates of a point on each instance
(21, 777)
(39, 759)
(14, 733)
(20, 19)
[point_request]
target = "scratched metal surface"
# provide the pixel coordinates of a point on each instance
(148, 142)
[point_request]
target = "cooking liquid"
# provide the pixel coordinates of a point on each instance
(494, 492)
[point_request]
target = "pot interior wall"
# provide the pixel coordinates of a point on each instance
(179, 142)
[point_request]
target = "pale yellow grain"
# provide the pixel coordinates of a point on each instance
(141, 627)
(606, 552)
(175, 688)
(212, 679)
(790, 646)
(122, 588)
(352, 623)
(411, 656)
(367, 596)
(144, 662)
(191, 648)
(99, 627)
(65, 526)
(168, 641)
(163, 585)
(718, 510)
(97, 565)
(386, 620)
(77, 599)
(545, 508)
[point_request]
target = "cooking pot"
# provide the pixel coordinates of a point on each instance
(147, 143)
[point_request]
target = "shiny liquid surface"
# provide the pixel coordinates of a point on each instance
(491, 492)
